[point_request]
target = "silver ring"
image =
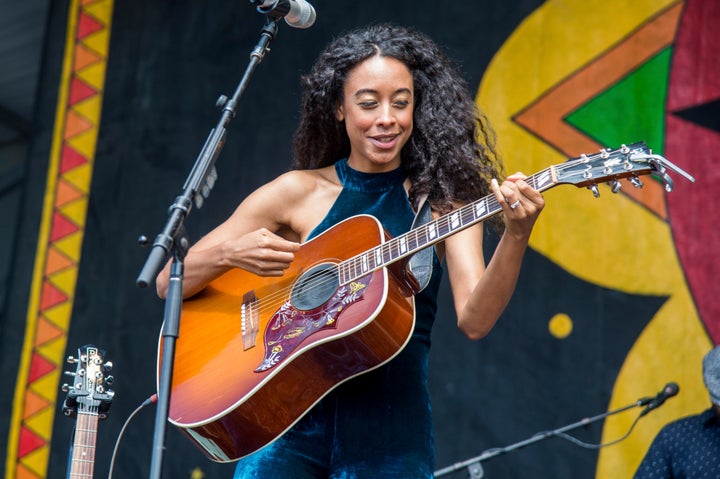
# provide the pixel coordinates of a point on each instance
(514, 205)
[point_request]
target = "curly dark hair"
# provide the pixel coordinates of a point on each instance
(450, 155)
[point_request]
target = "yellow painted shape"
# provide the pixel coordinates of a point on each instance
(94, 74)
(54, 349)
(65, 280)
(41, 422)
(37, 461)
(611, 241)
(85, 143)
(101, 11)
(90, 107)
(48, 383)
(560, 326)
(79, 177)
(60, 315)
(98, 41)
(76, 211)
(71, 245)
(670, 349)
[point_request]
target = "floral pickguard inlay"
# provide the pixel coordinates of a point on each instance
(289, 326)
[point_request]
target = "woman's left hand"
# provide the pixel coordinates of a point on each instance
(520, 202)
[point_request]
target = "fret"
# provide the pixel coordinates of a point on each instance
(356, 268)
(413, 240)
(432, 230)
(542, 179)
(392, 250)
(84, 430)
(455, 222)
(342, 273)
(364, 263)
(467, 215)
(480, 208)
(390, 254)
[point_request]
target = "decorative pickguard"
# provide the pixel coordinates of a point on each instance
(289, 326)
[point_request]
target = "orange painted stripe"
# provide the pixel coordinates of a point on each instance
(545, 117)
(55, 226)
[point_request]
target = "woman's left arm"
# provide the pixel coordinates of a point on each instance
(482, 292)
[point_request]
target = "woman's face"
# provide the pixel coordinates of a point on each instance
(377, 109)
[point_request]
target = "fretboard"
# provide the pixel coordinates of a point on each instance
(432, 232)
(83, 454)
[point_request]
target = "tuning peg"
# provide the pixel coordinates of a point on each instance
(109, 379)
(65, 387)
(595, 190)
(636, 182)
(71, 360)
(69, 373)
(615, 186)
(107, 366)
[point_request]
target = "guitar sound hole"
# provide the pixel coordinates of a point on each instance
(315, 287)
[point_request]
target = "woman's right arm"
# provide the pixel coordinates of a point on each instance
(245, 240)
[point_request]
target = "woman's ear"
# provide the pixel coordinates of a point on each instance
(340, 113)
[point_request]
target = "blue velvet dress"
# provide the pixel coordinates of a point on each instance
(379, 424)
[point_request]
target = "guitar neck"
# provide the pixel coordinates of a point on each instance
(407, 244)
(83, 455)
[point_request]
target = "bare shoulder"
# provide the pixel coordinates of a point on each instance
(303, 198)
(307, 182)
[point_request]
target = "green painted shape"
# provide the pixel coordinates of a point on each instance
(631, 110)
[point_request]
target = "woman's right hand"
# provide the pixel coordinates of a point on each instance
(261, 252)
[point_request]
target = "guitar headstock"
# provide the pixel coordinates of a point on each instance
(89, 391)
(628, 161)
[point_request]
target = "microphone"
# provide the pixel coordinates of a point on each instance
(668, 391)
(297, 13)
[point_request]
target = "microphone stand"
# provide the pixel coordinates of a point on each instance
(174, 239)
(475, 470)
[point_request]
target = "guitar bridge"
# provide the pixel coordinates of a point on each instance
(249, 319)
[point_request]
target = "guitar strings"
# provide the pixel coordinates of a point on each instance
(353, 268)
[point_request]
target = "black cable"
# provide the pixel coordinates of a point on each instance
(152, 399)
(586, 445)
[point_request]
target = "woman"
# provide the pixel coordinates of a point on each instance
(387, 121)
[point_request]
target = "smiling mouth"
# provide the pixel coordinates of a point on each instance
(384, 138)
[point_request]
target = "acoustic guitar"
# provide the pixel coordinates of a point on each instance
(254, 353)
(88, 401)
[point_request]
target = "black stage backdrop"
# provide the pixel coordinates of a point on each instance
(168, 63)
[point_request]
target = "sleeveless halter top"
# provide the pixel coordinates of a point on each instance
(377, 424)
(383, 196)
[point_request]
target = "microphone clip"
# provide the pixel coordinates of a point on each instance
(277, 10)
